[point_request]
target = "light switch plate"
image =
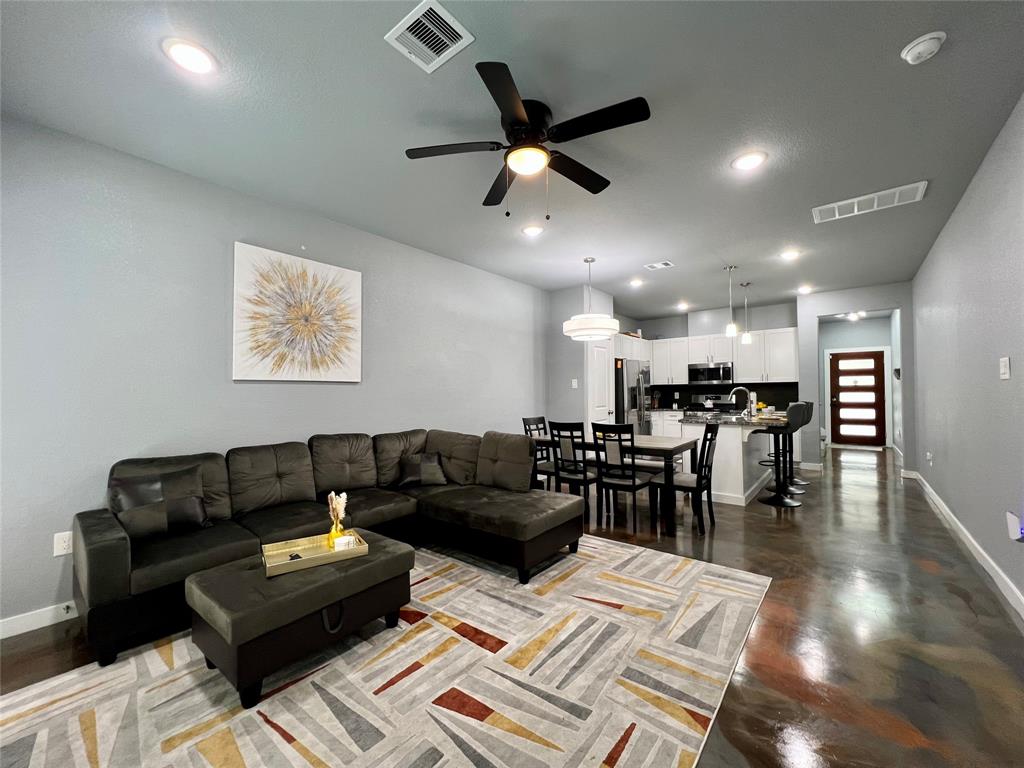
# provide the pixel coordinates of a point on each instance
(1014, 526)
(62, 544)
(574, 384)
(1004, 367)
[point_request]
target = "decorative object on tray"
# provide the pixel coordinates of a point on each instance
(336, 506)
(295, 319)
(299, 554)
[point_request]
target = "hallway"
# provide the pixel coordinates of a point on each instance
(880, 642)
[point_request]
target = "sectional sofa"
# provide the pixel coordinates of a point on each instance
(130, 589)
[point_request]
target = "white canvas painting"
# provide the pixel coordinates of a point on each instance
(295, 319)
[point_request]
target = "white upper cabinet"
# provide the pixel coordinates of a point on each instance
(700, 349)
(781, 357)
(679, 360)
(721, 349)
(748, 360)
(661, 365)
(632, 348)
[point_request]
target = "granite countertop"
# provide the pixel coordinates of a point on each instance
(733, 419)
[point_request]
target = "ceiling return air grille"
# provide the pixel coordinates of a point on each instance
(659, 265)
(876, 201)
(429, 36)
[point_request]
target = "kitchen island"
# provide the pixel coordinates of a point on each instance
(736, 477)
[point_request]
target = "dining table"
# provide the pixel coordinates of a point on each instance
(664, 448)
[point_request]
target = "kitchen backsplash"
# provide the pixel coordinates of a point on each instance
(779, 395)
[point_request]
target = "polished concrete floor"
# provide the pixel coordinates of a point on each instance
(880, 642)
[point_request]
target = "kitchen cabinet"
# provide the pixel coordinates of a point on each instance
(748, 360)
(781, 357)
(716, 348)
(679, 360)
(721, 348)
(632, 348)
(661, 364)
(699, 349)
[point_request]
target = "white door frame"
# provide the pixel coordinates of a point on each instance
(827, 415)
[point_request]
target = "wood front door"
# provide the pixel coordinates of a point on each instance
(857, 398)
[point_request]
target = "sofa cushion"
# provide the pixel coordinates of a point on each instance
(520, 516)
(162, 560)
(459, 454)
(269, 475)
(241, 603)
(506, 461)
(422, 491)
(294, 520)
(342, 462)
(421, 469)
(150, 505)
(390, 447)
(214, 471)
(369, 507)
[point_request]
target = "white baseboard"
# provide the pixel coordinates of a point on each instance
(811, 466)
(1010, 591)
(43, 617)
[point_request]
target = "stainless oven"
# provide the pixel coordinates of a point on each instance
(711, 373)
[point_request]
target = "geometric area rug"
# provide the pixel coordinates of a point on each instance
(616, 656)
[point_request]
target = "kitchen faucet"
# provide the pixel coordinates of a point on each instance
(751, 409)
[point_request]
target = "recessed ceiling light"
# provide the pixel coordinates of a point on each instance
(682, 306)
(790, 254)
(923, 48)
(189, 56)
(862, 313)
(803, 290)
(636, 282)
(532, 230)
(749, 161)
(853, 317)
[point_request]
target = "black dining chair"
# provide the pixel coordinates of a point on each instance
(571, 463)
(537, 426)
(617, 470)
(697, 484)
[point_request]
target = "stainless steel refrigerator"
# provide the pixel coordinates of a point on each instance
(633, 394)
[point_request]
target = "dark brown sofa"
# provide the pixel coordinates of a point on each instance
(131, 590)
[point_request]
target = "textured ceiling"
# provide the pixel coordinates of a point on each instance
(313, 109)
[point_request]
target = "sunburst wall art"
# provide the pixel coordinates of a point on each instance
(295, 319)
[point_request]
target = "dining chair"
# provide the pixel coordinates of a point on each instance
(699, 483)
(537, 426)
(617, 469)
(571, 461)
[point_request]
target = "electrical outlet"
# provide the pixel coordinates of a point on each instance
(928, 457)
(1004, 367)
(62, 544)
(676, 395)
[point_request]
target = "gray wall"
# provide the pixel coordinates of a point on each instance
(816, 305)
(969, 312)
(870, 332)
(708, 321)
(895, 321)
(117, 285)
(567, 359)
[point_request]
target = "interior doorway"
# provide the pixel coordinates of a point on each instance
(858, 398)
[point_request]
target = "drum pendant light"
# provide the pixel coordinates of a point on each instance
(590, 326)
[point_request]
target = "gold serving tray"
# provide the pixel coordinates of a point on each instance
(312, 551)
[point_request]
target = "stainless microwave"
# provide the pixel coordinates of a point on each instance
(710, 373)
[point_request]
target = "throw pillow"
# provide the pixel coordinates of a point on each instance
(176, 496)
(421, 469)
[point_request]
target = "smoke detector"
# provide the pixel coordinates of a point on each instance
(429, 36)
(923, 48)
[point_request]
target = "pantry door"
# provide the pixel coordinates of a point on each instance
(857, 398)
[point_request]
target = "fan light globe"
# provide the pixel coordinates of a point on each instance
(528, 160)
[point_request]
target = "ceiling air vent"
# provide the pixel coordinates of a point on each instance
(429, 36)
(659, 265)
(876, 201)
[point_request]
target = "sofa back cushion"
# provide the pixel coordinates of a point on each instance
(459, 453)
(390, 447)
(342, 462)
(212, 468)
(268, 475)
(505, 461)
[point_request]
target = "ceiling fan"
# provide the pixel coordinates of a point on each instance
(527, 127)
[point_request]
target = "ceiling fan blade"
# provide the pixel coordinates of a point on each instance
(499, 82)
(453, 149)
(590, 180)
(624, 113)
(500, 186)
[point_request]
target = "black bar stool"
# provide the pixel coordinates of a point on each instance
(782, 445)
(808, 415)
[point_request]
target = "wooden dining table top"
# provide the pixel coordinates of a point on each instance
(648, 445)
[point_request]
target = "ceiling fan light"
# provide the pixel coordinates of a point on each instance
(527, 160)
(590, 327)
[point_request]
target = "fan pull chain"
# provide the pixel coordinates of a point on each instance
(547, 194)
(507, 214)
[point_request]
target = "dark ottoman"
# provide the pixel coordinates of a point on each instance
(249, 626)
